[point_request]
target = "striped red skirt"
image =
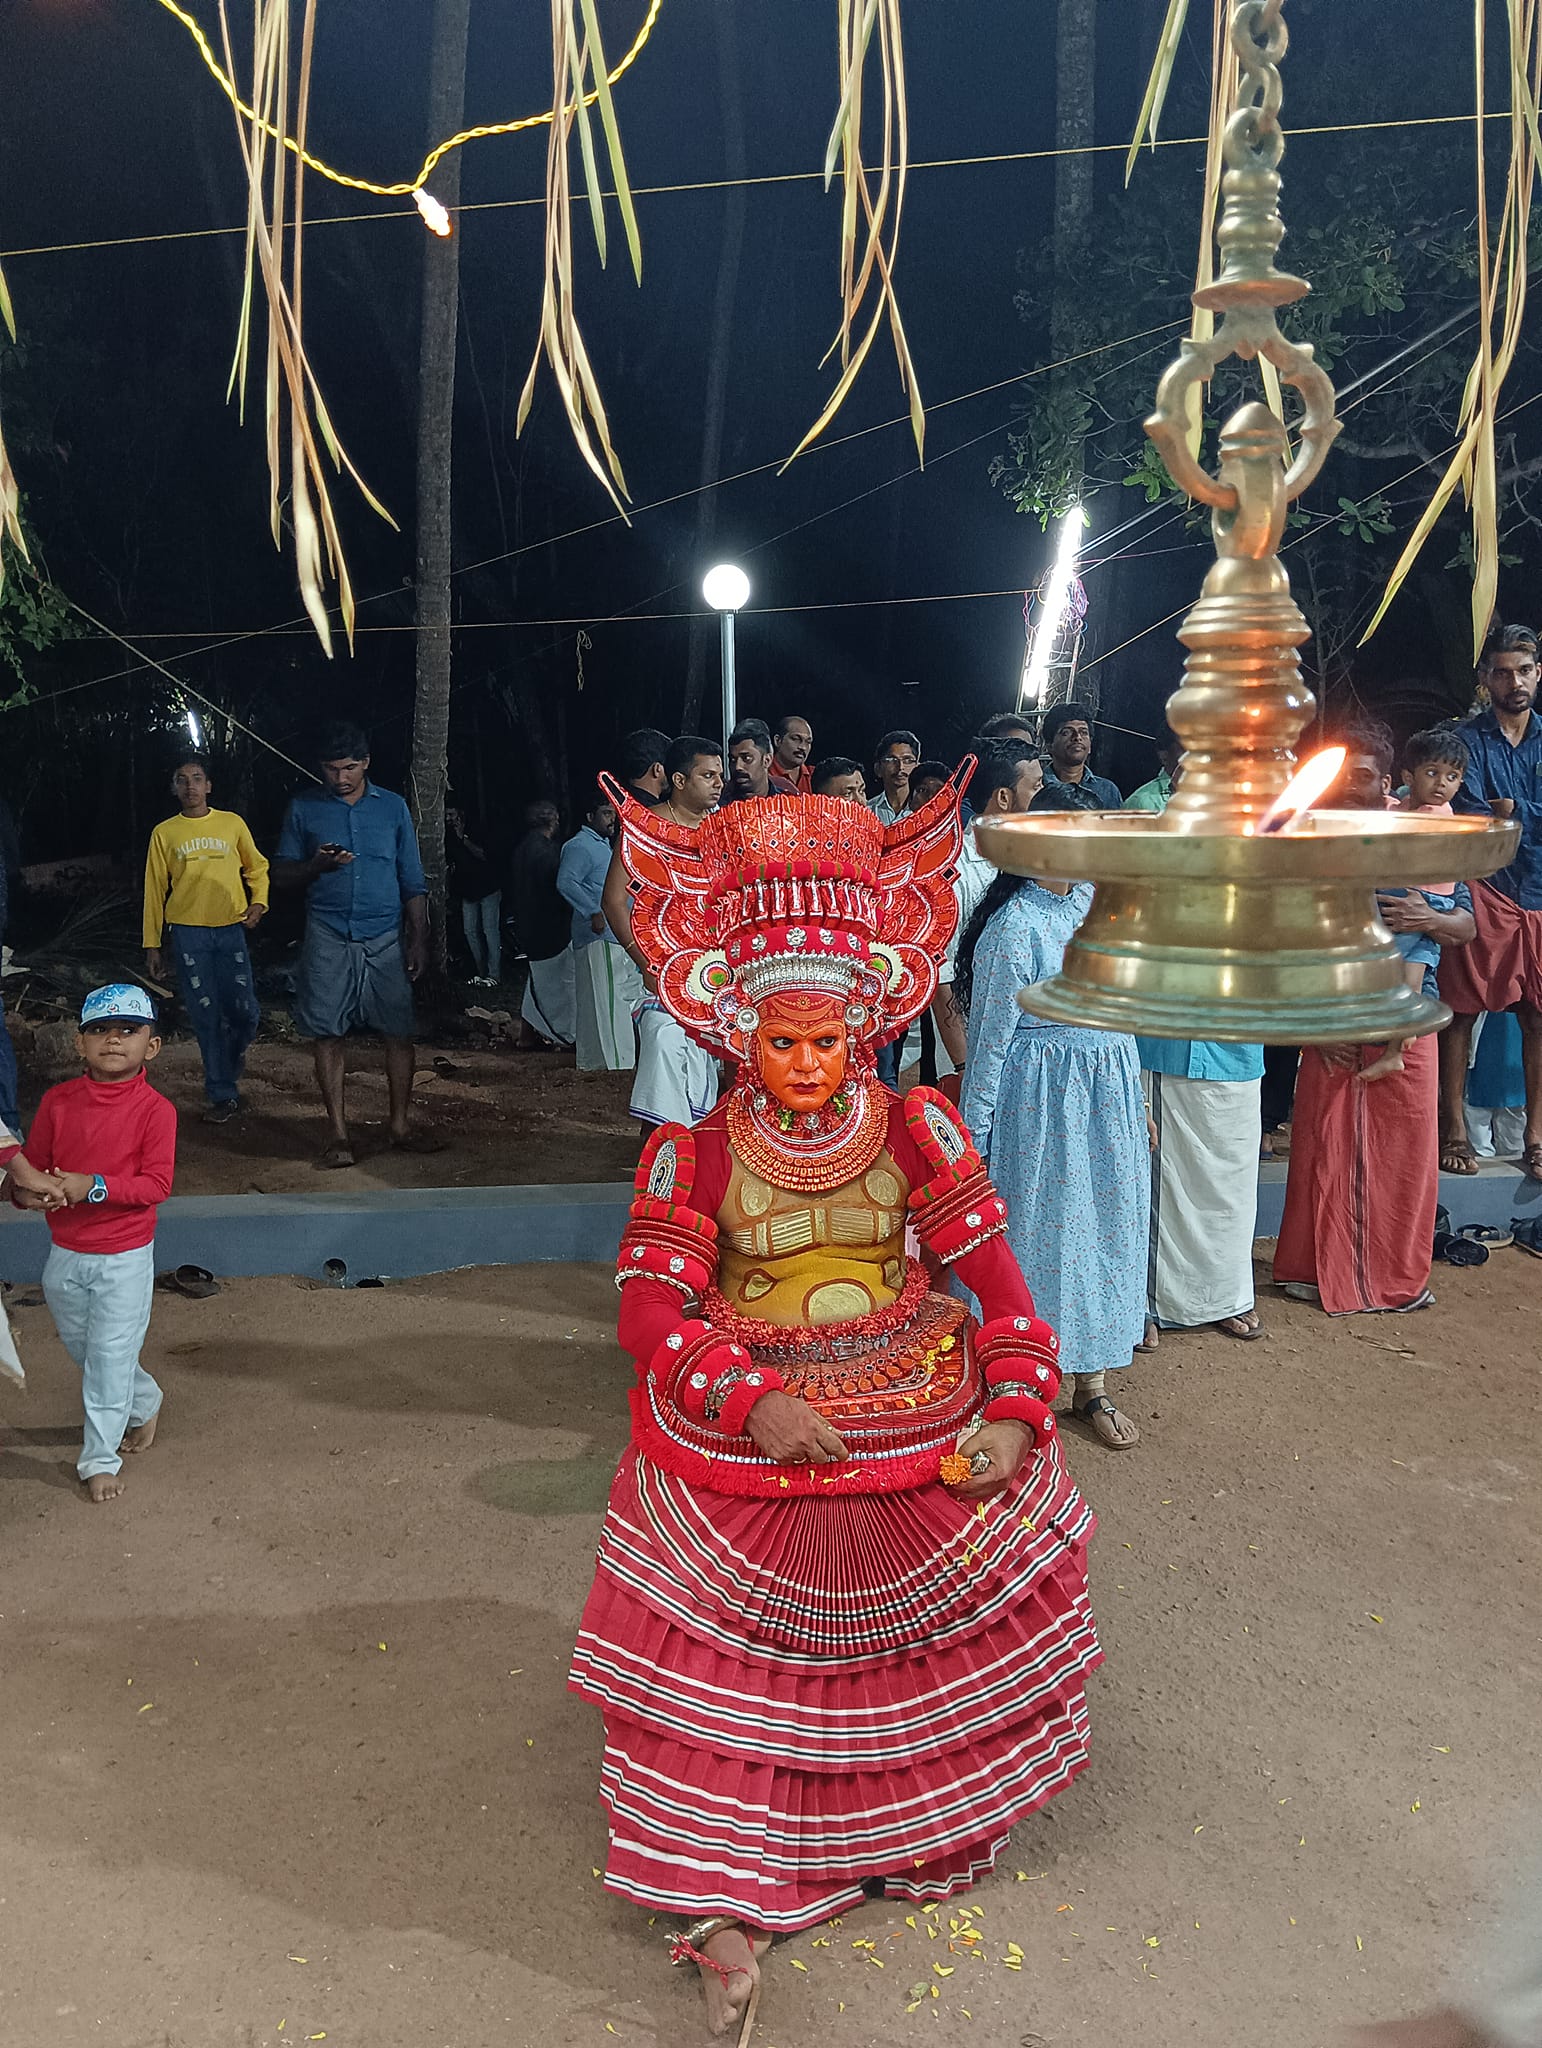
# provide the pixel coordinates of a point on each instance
(806, 1693)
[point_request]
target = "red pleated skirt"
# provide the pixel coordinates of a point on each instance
(806, 1693)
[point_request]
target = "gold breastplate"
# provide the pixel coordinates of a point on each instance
(799, 1259)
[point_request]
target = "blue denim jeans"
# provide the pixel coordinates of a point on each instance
(100, 1304)
(10, 1114)
(214, 973)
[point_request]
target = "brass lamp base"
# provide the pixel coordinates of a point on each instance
(1272, 938)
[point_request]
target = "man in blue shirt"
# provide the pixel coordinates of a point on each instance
(1067, 736)
(352, 848)
(1502, 968)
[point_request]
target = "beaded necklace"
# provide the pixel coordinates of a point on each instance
(808, 1151)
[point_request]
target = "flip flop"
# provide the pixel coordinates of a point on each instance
(196, 1282)
(421, 1143)
(1091, 1411)
(1487, 1233)
(1459, 1251)
(1525, 1229)
(1244, 1336)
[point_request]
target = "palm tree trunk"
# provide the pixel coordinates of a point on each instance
(436, 408)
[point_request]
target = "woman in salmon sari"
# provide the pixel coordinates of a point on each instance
(839, 1629)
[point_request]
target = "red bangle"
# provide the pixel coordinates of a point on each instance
(684, 1270)
(1025, 1409)
(734, 1412)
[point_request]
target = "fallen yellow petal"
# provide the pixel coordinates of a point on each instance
(593, 1870)
(1415, 1807)
(298, 1959)
(943, 1969)
(1376, 1618)
(146, 1707)
(800, 1966)
(1359, 1945)
(1441, 1750)
(935, 1992)
(378, 1646)
(1200, 1829)
(530, 1742)
(1152, 1941)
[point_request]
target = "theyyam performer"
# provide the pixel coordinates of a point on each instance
(839, 1629)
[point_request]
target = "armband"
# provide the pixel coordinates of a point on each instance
(713, 1382)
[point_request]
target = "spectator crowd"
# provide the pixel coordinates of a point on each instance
(1130, 1165)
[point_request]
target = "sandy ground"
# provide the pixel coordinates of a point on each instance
(288, 1755)
(501, 1116)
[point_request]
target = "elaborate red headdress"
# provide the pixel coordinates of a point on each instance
(792, 892)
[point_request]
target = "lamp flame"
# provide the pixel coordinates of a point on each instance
(435, 218)
(1310, 781)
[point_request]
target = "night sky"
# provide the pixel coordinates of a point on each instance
(151, 502)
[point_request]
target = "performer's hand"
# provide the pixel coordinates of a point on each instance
(155, 963)
(788, 1430)
(1006, 1444)
(255, 913)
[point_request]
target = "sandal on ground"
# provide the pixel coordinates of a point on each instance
(1246, 1328)
(338, 1153)
(419, 1143)
(1531, 1162)
(1524, 1234)
(1099, 1414)
(1153, 1337)
(196, 1282)
(1423, 1299)
(1459, 1250)
(1490, 1234)
(1457, 1156)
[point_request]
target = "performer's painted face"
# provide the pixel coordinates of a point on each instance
(800, 1048)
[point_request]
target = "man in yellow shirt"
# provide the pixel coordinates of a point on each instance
(206, 887)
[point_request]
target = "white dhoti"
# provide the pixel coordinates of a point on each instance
(551, 997)
(1204, 1198)
(608, 987)
(677, 1082)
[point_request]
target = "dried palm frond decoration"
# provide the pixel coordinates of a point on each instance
(275, 224)
(10, 492)
(578, 76)
(881, 203)
(1156, 91)
(1502, 259)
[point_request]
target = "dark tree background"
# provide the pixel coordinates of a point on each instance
(147, 503)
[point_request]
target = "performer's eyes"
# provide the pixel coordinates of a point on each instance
(827, 1044)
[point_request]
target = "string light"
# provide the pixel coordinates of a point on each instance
(407, 187)
(435, 218)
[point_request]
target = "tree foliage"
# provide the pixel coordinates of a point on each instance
(1386, 239)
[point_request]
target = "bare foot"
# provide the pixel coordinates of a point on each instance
(1246, 1326)
(142, 1434)
(337, 1152)
(733, 1949)
(1152, 1338)
(1391, 1062)
(104, 1486)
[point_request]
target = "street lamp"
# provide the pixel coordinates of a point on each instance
(727, 589)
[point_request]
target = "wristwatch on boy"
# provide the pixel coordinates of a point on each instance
(97, 1192)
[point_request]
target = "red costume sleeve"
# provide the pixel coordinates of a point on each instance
(667, 1262)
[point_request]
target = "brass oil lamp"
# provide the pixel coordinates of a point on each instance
(1206, 922)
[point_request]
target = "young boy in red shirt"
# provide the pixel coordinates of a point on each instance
(99, 1160)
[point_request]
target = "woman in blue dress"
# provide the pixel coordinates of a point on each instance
(1057, 1112)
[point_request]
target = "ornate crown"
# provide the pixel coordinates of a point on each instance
(792, 892)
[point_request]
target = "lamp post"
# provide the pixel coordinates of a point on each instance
(727, 589)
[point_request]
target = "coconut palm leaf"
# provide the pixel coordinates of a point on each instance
(1502, 246)
(878, 202)
(275, 222)
(579, 76)
(1157, 84)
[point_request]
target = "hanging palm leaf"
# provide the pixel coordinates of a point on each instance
(275, 220)
(579, 75)
(1156, 85)
(881, 205)
(10, 492)
(1502, 261)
